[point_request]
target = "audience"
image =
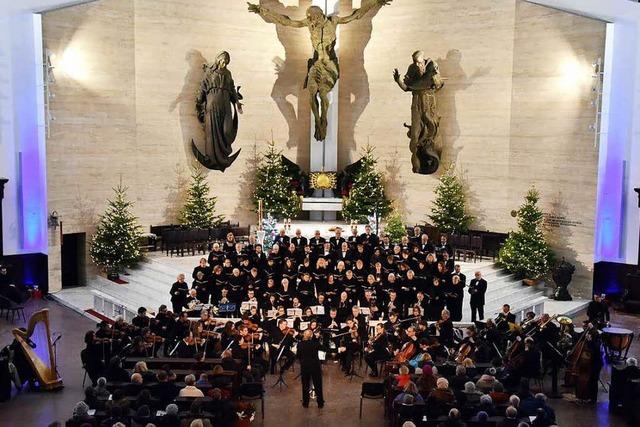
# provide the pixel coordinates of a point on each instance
(510, 418)
(409, 389)
(190, 390)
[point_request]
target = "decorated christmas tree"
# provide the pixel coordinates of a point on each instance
(395, 228)
(449, 207)
(526, 252)
(367, 196)
(273, 187)
(199, 210)
(115, 244)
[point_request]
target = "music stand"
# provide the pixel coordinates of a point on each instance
(280, 382)
(227, 309)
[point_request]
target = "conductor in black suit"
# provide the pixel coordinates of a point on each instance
(310, 369)
(477, 289)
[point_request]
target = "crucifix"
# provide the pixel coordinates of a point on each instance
(323, 71)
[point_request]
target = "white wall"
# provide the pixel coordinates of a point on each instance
(22, 143)
(619, 170)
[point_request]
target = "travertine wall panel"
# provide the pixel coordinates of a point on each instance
(515, 107)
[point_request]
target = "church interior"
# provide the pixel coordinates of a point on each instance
(369, 212)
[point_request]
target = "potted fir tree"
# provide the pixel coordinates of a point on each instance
(449, 208)
(116, 242)
(367, 195)
(199, 210)
(526, 252)
(273, 186)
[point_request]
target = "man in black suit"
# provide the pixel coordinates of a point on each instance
(369, 238)
(337, 240)
(477, 289)
(282, 239)
(310, 369)
(299, 240)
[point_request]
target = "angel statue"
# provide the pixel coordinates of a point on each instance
(218, 105)
(423, 81)
(322, 69)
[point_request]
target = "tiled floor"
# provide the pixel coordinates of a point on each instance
(37, 409)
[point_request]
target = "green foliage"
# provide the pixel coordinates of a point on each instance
(199, 210)
(367, 195)
(526, 252)
(273, 187)
(395, 228)
(116, 242)
(449, 207)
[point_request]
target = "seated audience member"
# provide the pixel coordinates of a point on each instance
(458, 381)
(217, 378)
(403, 377)
(222, 409)
(440, 398)
(487, 381)
(498, 395)
(409, 389)
(482, 420)
(453, 419)
(117, 415)
(8, 287)
(203, 380)
(470, 366)
(471, 395)
(147, 375)
(190, 389)
(118, 400)
(143, 398)
(164, 390)
(90, 397)
(515, 402)
(134, 387)
(170, 417)
(101, 389)
(195, 414)
(541, 419)
(530, 405)
(510, 418)
(427, 381)
(81, 416)
(486, 404)
(142, 417)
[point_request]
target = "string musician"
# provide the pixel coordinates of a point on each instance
(349, 344)
(377, 349)
(282, 341)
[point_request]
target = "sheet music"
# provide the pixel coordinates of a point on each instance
(294, 312)
(317, 309)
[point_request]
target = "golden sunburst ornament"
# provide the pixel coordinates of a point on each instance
(323, 180)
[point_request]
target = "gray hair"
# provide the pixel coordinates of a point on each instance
(632, 361)
(511, 412)
(469, 387)
(102, 382)
(541, 396)
(514, 401)
(190, 379)
(80, 410)
(172, 409)
(485, 399)
(461, 370)
(454, 414)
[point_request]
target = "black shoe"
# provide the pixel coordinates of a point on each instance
(320, 405)
(305, 405)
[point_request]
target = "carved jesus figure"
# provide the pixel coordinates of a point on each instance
(322, 69)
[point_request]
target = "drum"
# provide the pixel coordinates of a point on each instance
(617, 341)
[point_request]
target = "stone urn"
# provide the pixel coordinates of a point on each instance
(562, 275)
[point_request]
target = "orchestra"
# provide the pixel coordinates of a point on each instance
(389, 305)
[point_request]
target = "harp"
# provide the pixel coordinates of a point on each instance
(36, 345)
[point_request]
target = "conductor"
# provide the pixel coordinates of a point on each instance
(310, 369)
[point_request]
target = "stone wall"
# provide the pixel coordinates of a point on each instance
(514, 111)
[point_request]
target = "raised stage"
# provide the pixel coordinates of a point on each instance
(149, 285)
